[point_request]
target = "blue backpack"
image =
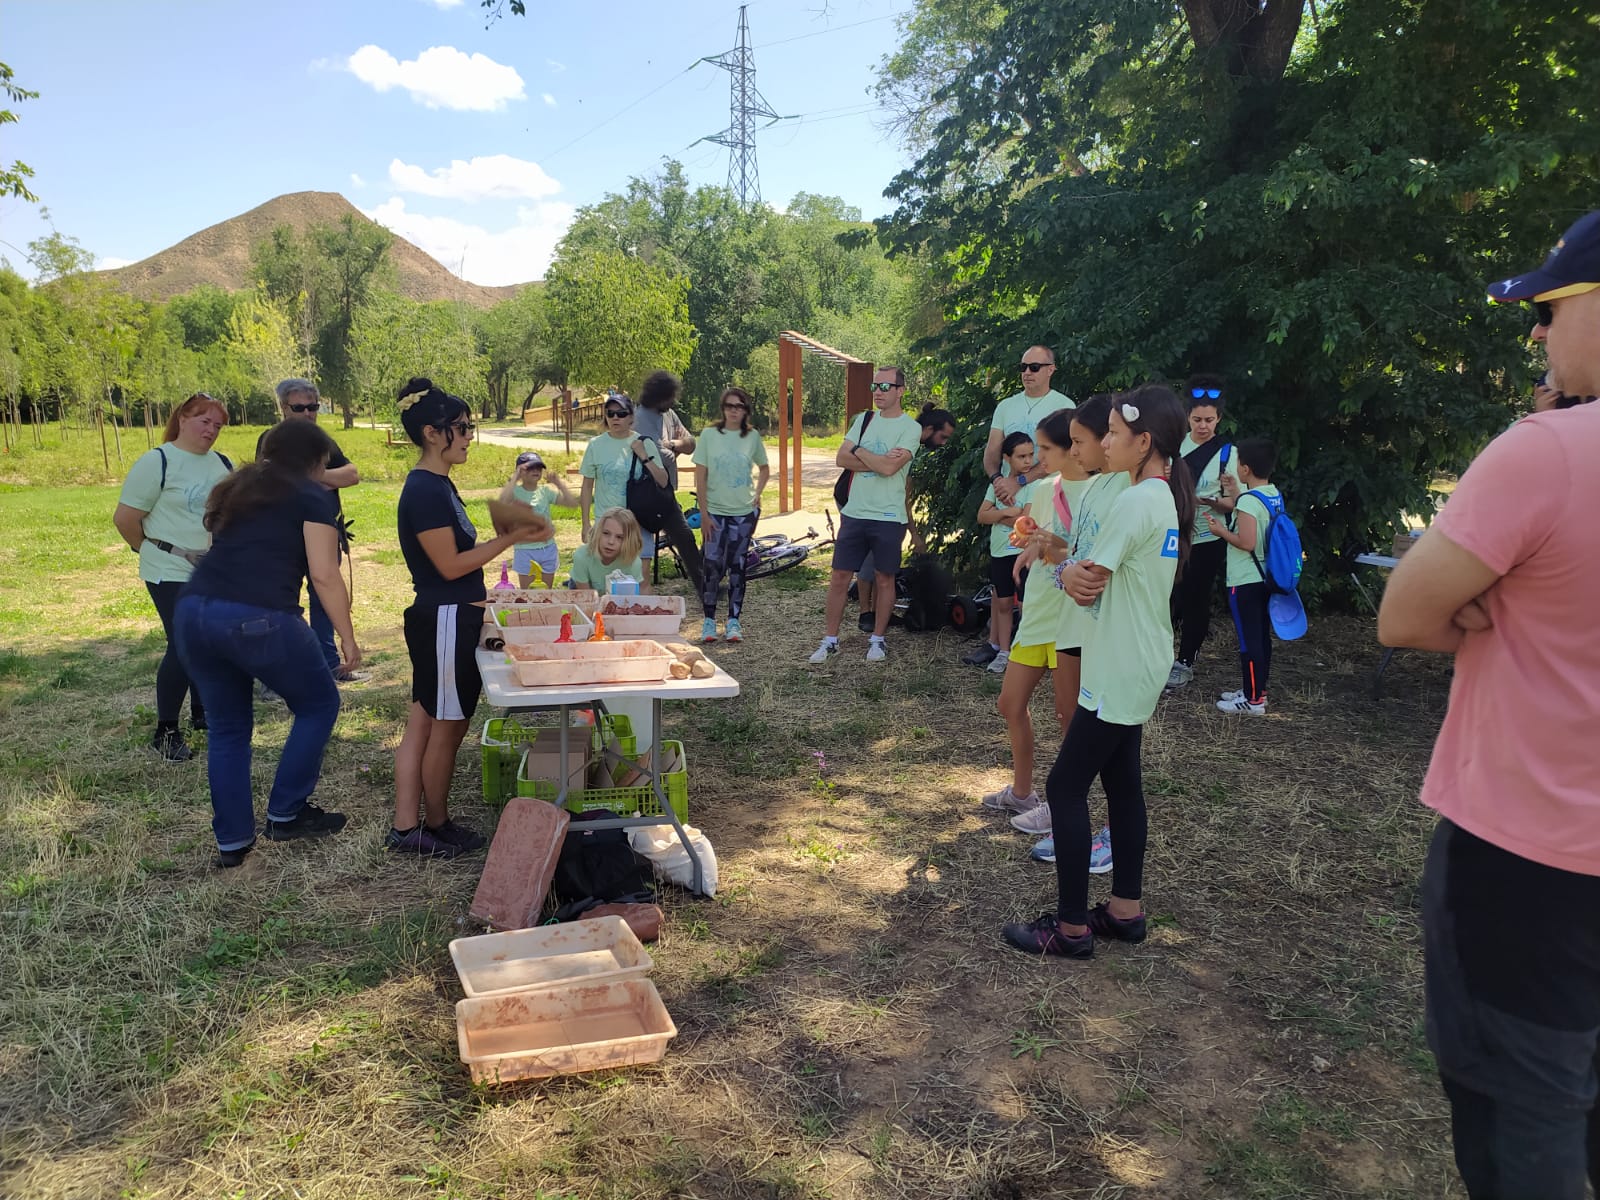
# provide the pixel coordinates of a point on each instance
(1282, 555)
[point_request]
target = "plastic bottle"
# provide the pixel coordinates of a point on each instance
(566, 627)
(599, 634)
(505, 584)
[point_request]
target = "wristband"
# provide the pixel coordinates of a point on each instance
(996, 477)
(1060, 570)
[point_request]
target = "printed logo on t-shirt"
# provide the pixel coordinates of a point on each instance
(1169, 545)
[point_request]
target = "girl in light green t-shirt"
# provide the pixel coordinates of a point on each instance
(1127, 583)
(1017, 453)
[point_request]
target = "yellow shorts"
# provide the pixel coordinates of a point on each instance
(1035, 656)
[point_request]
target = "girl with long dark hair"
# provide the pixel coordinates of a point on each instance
(1126, 587)
(443, 624)
(730, 505)
(272, 524)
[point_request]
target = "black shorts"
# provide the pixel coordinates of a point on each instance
(858, 538)
(443, 643)
(1000, 576)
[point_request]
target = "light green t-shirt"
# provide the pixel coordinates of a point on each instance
(1241, 567)
(1094, 505)
(1021, 414)
(588, 571)
(1000, 535)
(607, 460)
(175, 513)
(1041, 598)
(730, 462)
(540, 500)
(1208, 484)
(1128, 657)
(875, 497)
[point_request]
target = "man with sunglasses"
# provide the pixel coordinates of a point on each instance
(1506, 580)
(299, 400)
(877, 449)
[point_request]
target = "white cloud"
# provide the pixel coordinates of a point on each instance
(111, 263)
(489, 257)
(356, 180)
(554, 65)
(549, 99)
(440, 77)
(446, 3)
(492, 176)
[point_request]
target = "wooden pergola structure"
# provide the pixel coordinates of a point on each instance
(792, 348)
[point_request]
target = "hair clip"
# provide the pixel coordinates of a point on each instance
(1130, 413)
(411, 399)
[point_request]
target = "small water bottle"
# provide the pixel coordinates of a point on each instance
(505, 584)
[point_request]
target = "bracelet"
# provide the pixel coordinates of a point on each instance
(1060, 569)
(996, 477)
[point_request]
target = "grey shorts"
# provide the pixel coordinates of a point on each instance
(858, 538)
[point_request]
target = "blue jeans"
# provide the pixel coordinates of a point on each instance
(224, 646)
(322, 626)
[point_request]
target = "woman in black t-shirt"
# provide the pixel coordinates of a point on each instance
(441, 549)
(238, 620)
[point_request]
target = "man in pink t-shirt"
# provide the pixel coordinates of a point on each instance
(1508, 580)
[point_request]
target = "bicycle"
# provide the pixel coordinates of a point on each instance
(773, 553)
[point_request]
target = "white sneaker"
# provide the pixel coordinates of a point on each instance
(997, 664)
(1179, 676)
(1035, 820)
(876, 652)
(1006, 800)
(824, 652)
(1241, 705)
(1236, 694)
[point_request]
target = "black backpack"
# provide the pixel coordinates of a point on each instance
(928, 586)
(841, 485)
(598, 866)
(647, 499)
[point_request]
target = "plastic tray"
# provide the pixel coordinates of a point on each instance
(528, 624)
(562, 664)
(582, 596)
(669, 626)
(498, 963)
(639, 798)
(563, 1030)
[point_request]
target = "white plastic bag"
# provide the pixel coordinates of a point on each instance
(660, 844)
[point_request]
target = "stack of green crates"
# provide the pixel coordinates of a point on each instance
(503, 738)
(640, 798)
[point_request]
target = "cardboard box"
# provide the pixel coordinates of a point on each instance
(544, 756)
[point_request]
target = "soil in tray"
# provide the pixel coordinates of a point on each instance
(587, 1028)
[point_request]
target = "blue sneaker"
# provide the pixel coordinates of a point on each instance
(1100, 853)
(1044, 851)
(708, 630)
(735, 631)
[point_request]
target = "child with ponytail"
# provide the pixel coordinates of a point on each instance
(1125, 588)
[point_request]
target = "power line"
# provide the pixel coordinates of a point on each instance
(625, 108)
(800, 37)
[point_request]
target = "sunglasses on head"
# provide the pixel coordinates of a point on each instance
(885, 387)
(314, 407)
(1028, 366)
(1206, 393)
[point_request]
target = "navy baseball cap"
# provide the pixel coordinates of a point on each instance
(529, 459)
(1573, 267)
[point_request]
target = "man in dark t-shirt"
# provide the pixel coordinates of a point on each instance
(299, 400)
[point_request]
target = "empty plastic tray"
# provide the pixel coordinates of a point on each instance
(586, 951)
(563, 1030)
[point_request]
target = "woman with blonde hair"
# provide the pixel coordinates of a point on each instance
(161, 515)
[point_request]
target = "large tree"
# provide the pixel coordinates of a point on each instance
(615, 318)
(1305, 200)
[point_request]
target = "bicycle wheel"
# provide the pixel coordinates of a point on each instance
(772, 564)
(768, 542)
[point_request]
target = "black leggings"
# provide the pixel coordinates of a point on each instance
(1193, 598)
(1253, 622)
(172, 681)
(1094, 747)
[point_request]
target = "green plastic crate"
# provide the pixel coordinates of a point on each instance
(622, 800)
(618, 726)
(502, 740)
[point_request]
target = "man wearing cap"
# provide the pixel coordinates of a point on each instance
(538, 489)
(1020, 413)
(1506, 580)
(299, 400)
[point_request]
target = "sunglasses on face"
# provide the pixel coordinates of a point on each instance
(464, 428)
(885, 387)
(1027, 366)
(1543, 313)
(1206, 393)
(304, 408)
(733, 406)
(613, 414)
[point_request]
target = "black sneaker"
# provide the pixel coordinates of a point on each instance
(310, 821)
(1103, 924)
(420, 842)
(981, 657)
(170, 745)
(231, 858)
(1044, 936)
(198, 725)
(459, 836)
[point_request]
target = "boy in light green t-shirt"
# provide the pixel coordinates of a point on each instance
(1245, 532)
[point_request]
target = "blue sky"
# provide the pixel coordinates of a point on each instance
(158, 118)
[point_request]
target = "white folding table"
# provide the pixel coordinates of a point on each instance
(1382, 562)
(502, 690)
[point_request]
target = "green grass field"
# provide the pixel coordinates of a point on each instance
(849, 1023)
